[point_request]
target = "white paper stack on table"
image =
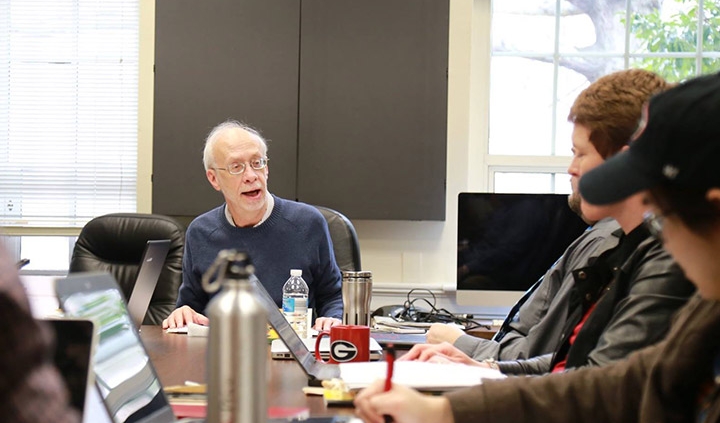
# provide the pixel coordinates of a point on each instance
(421, 375)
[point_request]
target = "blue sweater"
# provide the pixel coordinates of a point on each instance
(294, 236)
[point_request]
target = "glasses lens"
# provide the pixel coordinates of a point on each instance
(258, 164)
(236, 168)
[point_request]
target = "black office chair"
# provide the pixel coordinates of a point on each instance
(115, 243)
(344, 238)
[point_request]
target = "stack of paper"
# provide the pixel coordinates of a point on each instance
(424, 376)
(388, 324)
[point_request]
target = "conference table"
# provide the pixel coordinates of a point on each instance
(179, 358)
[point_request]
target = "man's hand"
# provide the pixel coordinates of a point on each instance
(440, 332)
(182, 316)
(443, 352)
(403, 404)
(325, 323)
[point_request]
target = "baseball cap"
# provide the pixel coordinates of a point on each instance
(677, 145)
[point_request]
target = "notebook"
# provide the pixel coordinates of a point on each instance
(399, 340)
(75, 341)
(153, 261)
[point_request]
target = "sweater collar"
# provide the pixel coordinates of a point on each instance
(270, 201)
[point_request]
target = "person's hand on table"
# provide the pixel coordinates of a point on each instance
(325, 323)
(182, 316)
(445, 352)
(405, 405)
(440, 332)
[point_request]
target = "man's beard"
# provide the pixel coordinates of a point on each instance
(574, 202)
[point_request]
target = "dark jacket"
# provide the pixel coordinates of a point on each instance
(634, 303)
(660, 383)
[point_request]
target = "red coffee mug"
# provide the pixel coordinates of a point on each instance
(347, 343)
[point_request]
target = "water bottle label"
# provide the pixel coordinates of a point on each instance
(301, 304)
(288, 305)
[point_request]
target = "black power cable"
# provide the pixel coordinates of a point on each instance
(435, 315)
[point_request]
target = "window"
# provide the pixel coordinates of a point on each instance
(68, 121)
(536, 73)
(68, 110)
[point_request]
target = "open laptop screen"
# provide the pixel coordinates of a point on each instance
(153, 261)
(123, 372)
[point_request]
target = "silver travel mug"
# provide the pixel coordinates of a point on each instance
(356, 295)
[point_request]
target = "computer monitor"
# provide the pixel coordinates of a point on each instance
(506, 242)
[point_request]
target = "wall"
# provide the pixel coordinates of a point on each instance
(401, 254)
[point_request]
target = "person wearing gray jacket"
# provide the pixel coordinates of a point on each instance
(534, 330)
(672, 164)
(540, 337)
(623, 301)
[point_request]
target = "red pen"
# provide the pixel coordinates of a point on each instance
(390, 358)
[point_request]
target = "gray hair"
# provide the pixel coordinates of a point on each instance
(216, 132)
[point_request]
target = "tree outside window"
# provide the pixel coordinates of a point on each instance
(563, 46)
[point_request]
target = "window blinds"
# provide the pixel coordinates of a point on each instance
(68, 110)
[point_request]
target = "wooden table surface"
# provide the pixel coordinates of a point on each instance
(179, 358)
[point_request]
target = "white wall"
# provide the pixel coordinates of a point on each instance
(401, 254)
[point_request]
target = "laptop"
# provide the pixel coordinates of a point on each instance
(124, 376)
(75, 341)
(153, 261)
(316, 371)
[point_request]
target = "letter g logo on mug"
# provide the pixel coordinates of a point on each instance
(342, 351)
(347, 343)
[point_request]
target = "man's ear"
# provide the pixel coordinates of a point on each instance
(212, 178)
(624, 148)
(713, 197)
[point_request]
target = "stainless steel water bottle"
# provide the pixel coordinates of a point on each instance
(237, 344)
(356, 295)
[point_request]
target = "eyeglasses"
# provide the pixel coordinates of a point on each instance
(238, 168)
(654, 223)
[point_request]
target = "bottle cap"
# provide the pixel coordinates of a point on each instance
(295, 272)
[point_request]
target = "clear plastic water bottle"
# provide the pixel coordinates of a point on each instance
(295, 302)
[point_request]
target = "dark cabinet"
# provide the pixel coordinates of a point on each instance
(352, 96)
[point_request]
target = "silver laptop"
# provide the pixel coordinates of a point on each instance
(153, 261)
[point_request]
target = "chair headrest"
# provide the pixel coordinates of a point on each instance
(121, 237)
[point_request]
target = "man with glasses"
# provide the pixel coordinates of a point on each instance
(277, 234)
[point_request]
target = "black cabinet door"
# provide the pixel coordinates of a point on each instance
(364, 134)
(373, 107)
(217, 60)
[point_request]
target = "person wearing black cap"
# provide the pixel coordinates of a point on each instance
(674, 161)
